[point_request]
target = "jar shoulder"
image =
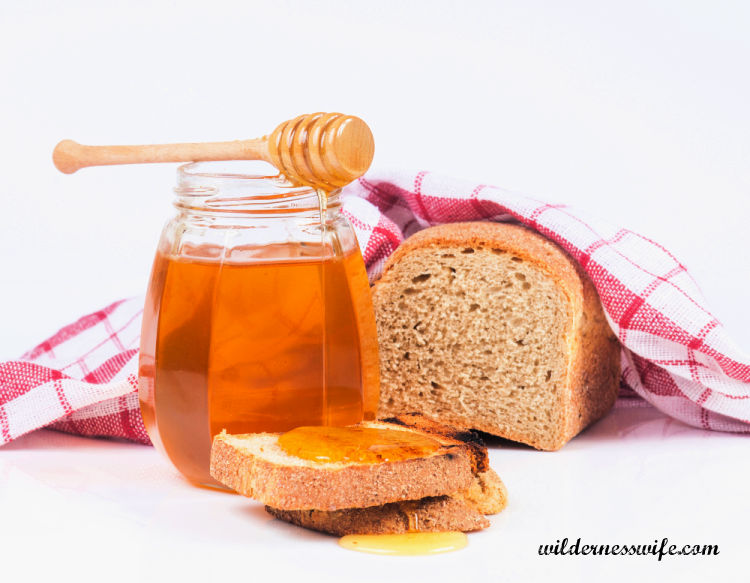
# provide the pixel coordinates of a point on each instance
(240, 240)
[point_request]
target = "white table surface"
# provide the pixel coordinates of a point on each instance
(77, 509)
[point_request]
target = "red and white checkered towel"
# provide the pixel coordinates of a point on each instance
(676, 355)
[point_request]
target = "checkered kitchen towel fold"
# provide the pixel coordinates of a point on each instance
(676, 355)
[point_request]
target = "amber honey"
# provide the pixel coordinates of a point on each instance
(254, 339)
(356, 444)
(408, 543)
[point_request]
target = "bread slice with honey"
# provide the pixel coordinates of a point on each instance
(493, 327)
(257, 466)
(337, 497)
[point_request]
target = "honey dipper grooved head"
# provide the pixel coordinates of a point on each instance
(324, 150)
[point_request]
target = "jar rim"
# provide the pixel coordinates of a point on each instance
(196, 169)
(242, 186)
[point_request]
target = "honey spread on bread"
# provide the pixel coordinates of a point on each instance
(356, 444)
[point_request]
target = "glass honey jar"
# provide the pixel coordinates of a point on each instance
(258, 315)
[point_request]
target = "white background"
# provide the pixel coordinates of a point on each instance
(635, 111)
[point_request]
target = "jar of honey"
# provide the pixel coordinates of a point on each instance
(258, 316)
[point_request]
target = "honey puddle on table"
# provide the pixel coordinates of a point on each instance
(409, 543)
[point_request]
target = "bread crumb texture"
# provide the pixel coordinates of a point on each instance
(434, 514)
(491, 326)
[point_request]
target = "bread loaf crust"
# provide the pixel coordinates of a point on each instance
(593, 355)
(594, 371)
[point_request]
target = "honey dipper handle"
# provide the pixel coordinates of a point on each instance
(70, 156)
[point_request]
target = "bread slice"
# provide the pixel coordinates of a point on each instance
(463, 511)
(491, 326)
(434, 514)
(486, 494)
(255, 466)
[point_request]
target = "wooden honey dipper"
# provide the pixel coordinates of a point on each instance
(322, 150)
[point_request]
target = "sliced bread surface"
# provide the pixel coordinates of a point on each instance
(434, 514)
(256, 466)
(493, 327)
(463, 511)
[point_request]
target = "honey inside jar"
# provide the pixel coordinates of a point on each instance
(258, 316)
(355, 444)
(251, 347)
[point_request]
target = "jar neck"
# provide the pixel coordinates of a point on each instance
(247, 189)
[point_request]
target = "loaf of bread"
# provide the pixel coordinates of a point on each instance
(493, 327)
